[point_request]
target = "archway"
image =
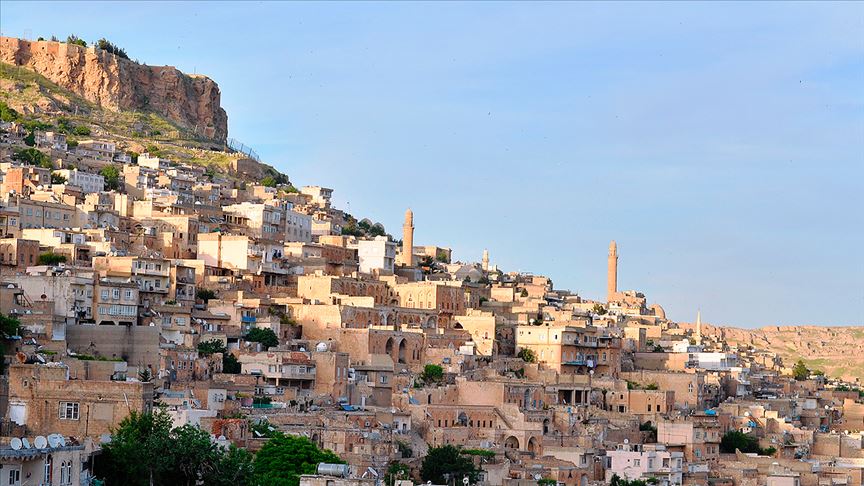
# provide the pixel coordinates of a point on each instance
(532, 446)
(546, 426)
(511, 443)
(402, 351)
(388, 347)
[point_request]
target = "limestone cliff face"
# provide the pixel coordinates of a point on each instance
(116, 83)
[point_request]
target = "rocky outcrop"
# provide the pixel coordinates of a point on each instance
(191, 101)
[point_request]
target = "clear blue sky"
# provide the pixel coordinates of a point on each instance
(721, 144)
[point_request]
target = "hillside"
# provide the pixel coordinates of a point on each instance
(116, 83)
(40, 101)
(834, 350)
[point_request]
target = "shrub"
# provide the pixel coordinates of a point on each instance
(432, 373)
(73, 39)
(51, 259)
(527, 355)
(7, 114)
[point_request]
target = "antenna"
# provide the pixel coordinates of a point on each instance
(40, 442)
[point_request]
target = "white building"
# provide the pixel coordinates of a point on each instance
(376, 255)
(298, 226)
(643, 461)
(712, 361)
(89, 183)
(152, 162)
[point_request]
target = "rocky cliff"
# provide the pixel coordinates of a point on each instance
(115, 83)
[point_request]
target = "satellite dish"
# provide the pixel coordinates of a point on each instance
(538, 477)
(465, 480)
(221, 438)
(40, 442)
(15, 443)
(62, 440)
(25, 442)
(53, 440)
(105, 438)
(626, 441)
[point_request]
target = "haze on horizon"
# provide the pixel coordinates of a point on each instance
(721, 145)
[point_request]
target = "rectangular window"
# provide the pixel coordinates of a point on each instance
(128, 294)
(68, 410)
(104, 294)
(116, 293)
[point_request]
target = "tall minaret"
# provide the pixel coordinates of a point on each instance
(612, 272)
(408, 239)
(698, 327)
(485, 260)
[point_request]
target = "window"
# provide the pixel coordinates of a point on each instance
(69, 410)
(46, 474)
(14, 477)
(128, 294)
(116, 293)
(636, 462)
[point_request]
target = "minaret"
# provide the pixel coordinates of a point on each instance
(612, 272)
(485, 260)
(698, 327)
(408, 239)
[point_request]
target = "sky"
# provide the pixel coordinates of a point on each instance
(720, 144)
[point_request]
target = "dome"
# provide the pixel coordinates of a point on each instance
(658, 311)
(475, 275)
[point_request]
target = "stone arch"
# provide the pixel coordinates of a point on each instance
(546, 426)
(533, 448)
(583, 480)
(388, 347)
(511, 443)
(401, 356)
(463, 419)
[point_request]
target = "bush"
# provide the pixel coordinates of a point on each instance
(527, 355)
(112, 177)
(81, 130)
(265, 336)
(432, 373)
(230, 365)
(284, 458)
(73, 39)
(746, 443)
(7, 114)
(447, 460)
(206, 348)
(31, 156)
(51, 259)
(800, 371)
(205, 295)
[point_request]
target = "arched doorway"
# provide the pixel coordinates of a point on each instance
(388, 347)
(402, 351)
(532, 446)
(511, 443)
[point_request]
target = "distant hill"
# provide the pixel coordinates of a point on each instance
(116, 83)
(838, 351)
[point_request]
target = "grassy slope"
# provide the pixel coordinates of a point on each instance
(37, 98)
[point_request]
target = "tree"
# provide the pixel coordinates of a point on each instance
(206, 348)
(107, 45)
(396, 470)
(432, 373)
(7, 114)
(262, 335)
(205, 295)
(9, 326)
(527, 355)
(447, 460)
(57, 179)
(524, 293)
(268, 181)
(30, 139)
(81, 130)
(441, 256)
(230, 364)
(112, 177)
(145, 375)
(31, 156)
(144, 450)
(735, 439)
(73, 39)
(800, 371)
(51, 259)
(599, 309)
(282, 460)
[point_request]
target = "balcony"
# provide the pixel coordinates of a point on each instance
(248, 319)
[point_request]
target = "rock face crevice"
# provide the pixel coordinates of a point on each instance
(192, 101)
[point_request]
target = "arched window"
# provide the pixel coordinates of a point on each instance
(47, 472)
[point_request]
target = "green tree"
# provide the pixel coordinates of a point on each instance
(81, 130)
(282, 460)
(447, 460)
(112, 177)
(268, 181)
(396, 470)
(599, 309)
(800, 371)
(31, 156)
(262, 335)
(432, 373)
(138, 451)
(206, 348)
(205, 295)
(107, 45)
(30, 139)
(7, 114)
(735, 439)
(9, 326)
(73, 39)
(145, 375)
(233, 467)
(230, 364)
(51, 259)
(527, 355)
(192, 453)
(57, 179)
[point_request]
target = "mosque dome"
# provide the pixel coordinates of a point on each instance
(658, 311)
(475, 275)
